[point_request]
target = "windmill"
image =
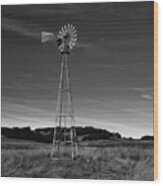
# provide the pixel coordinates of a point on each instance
(64, 138)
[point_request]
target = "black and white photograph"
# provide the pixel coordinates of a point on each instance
(77, 91)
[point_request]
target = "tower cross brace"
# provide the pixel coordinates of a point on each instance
(64, 131)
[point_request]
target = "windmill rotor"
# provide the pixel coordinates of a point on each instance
(67, 38)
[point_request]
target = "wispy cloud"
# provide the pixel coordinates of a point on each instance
(146, 96)
(146, 92)
(33, 30)
(85, 45)
(21, 28)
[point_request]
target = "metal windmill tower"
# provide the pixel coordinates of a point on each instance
(64, 139)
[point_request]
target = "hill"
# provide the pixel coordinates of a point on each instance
(46, 134)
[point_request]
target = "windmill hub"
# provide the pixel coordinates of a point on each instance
(67, 36)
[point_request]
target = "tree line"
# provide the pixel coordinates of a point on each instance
(46, 134)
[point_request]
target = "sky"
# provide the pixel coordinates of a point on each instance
(111, 66)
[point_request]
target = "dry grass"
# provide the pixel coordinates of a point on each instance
(116, 162)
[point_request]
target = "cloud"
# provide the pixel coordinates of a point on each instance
(33, 31)
(146, 96)
(21, 28)
(146, 92)
(85, 45)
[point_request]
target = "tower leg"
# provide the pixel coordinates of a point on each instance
(65, 115)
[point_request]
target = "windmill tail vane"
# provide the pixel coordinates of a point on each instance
(47, 37)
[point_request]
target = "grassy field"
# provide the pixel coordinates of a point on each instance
(124, 160)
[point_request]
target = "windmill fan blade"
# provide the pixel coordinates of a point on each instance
(47, 36)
